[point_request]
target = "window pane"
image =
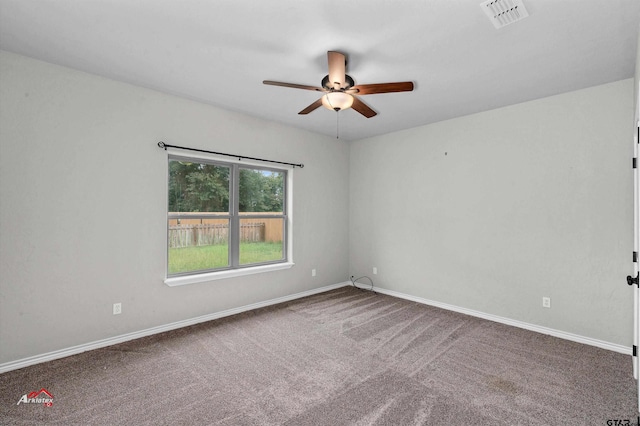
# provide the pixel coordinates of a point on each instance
(261, 191)
(261, 240)
(198, 187)
(204, 202)
(198, 244)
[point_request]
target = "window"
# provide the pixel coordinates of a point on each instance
(224, 216)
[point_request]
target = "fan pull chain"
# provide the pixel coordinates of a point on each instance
(338, 124)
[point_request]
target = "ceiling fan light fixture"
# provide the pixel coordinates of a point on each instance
(341, 94)
(337, 101)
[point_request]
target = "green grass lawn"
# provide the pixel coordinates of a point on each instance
(217, 256)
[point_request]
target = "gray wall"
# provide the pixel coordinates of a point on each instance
(83, 207)
(493, 211)
(637, 77)
(487, 212)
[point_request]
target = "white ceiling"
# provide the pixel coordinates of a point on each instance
(219, 51)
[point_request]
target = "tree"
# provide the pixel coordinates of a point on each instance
(261, 191)
(196, 187)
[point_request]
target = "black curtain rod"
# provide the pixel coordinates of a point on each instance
(239, 157)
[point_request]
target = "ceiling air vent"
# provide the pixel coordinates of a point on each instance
(504, 12)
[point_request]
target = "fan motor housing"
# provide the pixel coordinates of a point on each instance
(348, 83)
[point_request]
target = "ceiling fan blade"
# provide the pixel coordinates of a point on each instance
(362, 108)
(292, 85)
(311, 107)
(337, 69)
(371, 89)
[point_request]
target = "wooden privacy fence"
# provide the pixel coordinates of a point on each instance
(191, 235)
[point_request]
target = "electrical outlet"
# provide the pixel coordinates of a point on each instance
(117, 308)
(375, 271)
(546, 302)
(313, 272)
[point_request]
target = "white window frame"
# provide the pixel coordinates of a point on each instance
(234, 270)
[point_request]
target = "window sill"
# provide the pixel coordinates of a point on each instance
(212, 276)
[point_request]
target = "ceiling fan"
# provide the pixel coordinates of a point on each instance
(340, 90)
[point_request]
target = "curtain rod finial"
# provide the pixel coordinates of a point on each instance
(162, 145)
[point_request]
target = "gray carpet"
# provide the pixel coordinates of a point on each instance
(345, 357)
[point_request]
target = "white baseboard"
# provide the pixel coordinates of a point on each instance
(50, 356)
(515, 323)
